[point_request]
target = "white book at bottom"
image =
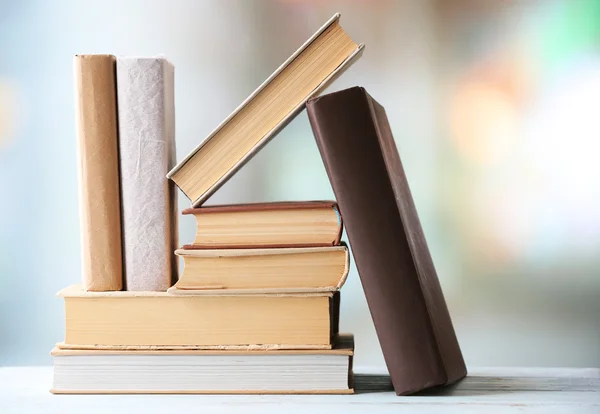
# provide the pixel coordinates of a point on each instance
(204, 372)
(145, 97)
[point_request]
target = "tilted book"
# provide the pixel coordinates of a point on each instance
(145, 92)
(98, 168)
(395, 267)
(265, 112)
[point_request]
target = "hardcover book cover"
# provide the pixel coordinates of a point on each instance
(396, 270)
(240, 111)
(284, 218)
(159, 320)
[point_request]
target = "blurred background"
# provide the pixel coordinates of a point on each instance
(495, 106)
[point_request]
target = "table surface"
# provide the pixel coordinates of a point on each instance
(489, 390)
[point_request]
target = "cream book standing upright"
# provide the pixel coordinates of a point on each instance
(97, 152)
(145, 90)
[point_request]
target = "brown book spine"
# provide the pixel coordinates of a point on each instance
(100, 209)
(402, 290)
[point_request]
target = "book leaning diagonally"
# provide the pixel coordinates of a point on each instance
(397, 272)
(265, 112)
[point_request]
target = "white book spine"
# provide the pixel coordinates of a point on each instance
(145, 97)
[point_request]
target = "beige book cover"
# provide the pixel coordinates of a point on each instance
(98, 165)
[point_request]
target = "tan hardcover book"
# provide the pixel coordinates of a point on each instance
(265, 112)
(278, 224)
(160, 320)
(262, 270)
(205, 372)
(100, 210)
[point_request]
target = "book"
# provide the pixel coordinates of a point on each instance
(395, 267)
(202, 371)
(98, 171)
(158, 319)
(145, 93)
(299, 270)
(265, 112)
(279, 224)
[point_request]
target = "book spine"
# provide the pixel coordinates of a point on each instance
(347, 137)
(145, 90)
(98, 167)
(447, 343)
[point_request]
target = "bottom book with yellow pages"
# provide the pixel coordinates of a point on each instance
(105, 371)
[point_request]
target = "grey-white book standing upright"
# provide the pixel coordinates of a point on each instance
(145, 94)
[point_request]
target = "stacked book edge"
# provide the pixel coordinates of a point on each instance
(104, 371)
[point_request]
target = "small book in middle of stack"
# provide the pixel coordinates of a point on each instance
(284, 247)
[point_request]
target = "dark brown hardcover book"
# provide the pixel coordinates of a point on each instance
(398, 276)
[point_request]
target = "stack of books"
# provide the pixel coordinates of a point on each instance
(285, 247)
(256, 307)
(239, 320)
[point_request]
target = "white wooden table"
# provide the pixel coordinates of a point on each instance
(486, 390)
